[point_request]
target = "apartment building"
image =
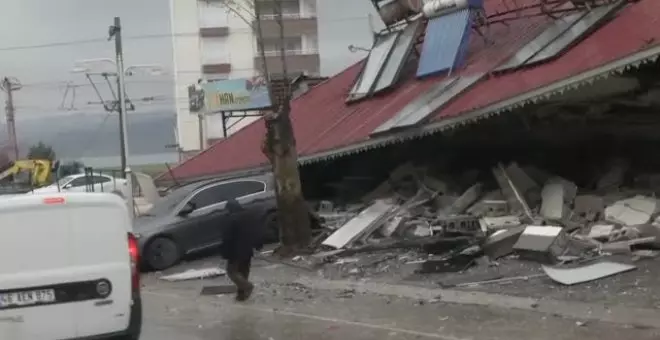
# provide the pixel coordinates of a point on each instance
(213, 42)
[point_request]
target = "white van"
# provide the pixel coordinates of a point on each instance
(69, 268)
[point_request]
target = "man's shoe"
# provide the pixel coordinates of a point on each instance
(244, 294)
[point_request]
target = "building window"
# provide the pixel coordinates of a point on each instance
(292, 45)
(290, 9)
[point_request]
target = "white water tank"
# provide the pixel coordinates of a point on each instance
(433, 8)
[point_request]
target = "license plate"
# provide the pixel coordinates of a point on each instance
(27, 298)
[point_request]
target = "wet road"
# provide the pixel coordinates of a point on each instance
(177, 312)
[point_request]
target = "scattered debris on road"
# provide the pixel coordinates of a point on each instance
(195, 274)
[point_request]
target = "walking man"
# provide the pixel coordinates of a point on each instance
(241, 236)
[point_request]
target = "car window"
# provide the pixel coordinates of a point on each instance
(208, 196)
(219, 193)
(100, 179)
(243, 188)
(79, 182)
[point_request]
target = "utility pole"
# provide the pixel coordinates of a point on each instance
(115, 31)
(280, 148)
(9, 86)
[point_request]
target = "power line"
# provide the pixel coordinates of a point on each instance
(136, 37)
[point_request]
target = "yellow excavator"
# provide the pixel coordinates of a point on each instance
(39, 170)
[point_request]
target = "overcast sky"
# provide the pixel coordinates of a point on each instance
(45, 71)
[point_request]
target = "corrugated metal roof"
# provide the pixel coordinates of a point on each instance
(326, 127)
(444, 43)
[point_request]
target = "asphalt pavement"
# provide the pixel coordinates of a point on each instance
(277, 311)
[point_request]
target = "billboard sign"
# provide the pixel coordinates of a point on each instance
(236, 95)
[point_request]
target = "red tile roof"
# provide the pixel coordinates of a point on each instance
(634, 28)
(322, 120)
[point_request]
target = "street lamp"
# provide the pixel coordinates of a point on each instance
(86, 66)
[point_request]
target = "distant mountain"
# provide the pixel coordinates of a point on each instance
(82, 135)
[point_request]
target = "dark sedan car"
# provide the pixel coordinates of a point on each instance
(190, 218)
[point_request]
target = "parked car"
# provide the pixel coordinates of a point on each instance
(190, 218)
(87, 183)
(70, 268)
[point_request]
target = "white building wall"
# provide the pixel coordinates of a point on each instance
(191, 52)
(187, 68)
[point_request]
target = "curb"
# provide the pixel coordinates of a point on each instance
(636, 317)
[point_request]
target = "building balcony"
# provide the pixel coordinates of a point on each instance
(216, 68)
(297, 61)
(294, 25)
(214, 32)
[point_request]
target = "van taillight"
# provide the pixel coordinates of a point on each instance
(134, 253)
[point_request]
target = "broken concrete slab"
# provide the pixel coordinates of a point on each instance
(555, 196)
(586, 273)
(541, 243)
(194, 274)
(589, 207)
(632, 211)
(393, 226)
(601, 232)
(364, 223)
(459, 224)
(496, 223)
(465, 200)
(514, 196)
(501, 242)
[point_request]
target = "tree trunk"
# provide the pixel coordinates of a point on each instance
(293, 212)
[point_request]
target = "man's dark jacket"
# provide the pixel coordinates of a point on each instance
(243, 233)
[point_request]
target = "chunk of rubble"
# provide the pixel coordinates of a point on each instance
(514, 196)
(632, 211)
(393, 226)
(541, 243)
(497, 223)
(361, 225)
(501, 242)
(557, 194)
(601, 232)
(468, 198)
(589, 207)
(586, 273)
(459, 224)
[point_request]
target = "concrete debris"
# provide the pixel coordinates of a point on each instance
(455, 223)
(586, 273)
(497, 223)
(468, 198)
(368, 220)
(501, 242)
(194, 274)
(556, 196)
(541, 243)
(632, 211)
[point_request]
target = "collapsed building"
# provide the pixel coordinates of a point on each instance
(513, 127)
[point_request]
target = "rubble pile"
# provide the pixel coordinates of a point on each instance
(521, 212)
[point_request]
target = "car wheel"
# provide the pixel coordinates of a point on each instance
(162, 253)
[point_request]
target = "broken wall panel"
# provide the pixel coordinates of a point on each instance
(368, 220)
